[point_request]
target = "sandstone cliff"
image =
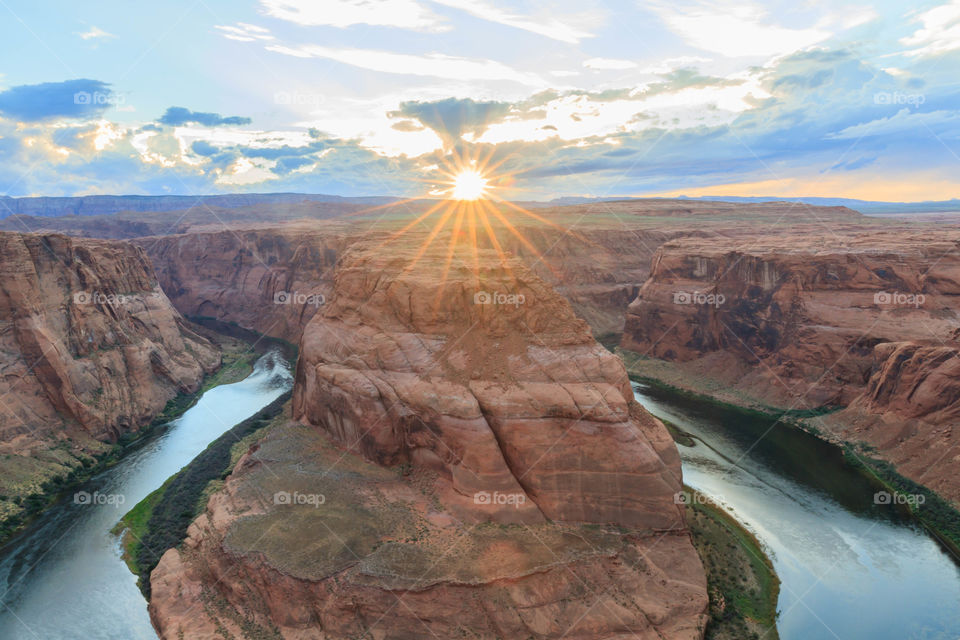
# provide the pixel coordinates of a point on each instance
(269, 280)
(909, 411)
(91, 349)
(789, 323)
(474, 464)
(866, 321)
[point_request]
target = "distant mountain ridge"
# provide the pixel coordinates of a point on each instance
(863, 206)
(53, 206)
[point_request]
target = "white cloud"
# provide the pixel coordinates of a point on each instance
(547, 26)
(608, 63)
(672, 64)
(244, 32)
(940, 31)
(433, 64)
(578, 117)
(733, 30)
(95, 33)
(904, 121)
(403, 14)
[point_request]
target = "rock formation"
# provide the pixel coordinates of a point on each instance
(483, 468)
(866, 321)
(789, 323)
(269, 280)
(91, 349)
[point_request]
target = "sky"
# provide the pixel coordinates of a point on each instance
(573, 98)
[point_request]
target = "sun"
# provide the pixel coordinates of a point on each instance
(469, 185)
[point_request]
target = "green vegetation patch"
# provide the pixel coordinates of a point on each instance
(29, 485)
(679, 435)
(743, 584)
(160, 521)
(937, 515)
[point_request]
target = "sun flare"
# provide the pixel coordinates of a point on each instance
(469, 185)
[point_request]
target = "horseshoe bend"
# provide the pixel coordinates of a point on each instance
(484, 470)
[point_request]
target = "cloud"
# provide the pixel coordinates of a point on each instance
(904, 121)
(95, 33)
(179, 116)
(204, 148)
(608, 63)
(243, 32)
(68, 99)
(940, 31)
(548, 27)
(453, 117)
(433, 64)
(401, 14)
(287, 165)
(733, 30)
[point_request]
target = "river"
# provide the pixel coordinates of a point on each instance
(64, 579)
(849, 568)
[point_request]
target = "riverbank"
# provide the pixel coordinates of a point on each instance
(17, 512)
(160, 521)
(932, 511)
(743, 585)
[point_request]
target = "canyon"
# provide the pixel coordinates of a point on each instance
(481, 461)
(531, 486)
(866, 322)
(91, 350)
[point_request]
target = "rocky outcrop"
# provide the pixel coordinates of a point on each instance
(489, 378)
(862, 321)
(269, 280)
(789, 323)
(472, 462)
(909, 412)
(91, 349)
(237, 275)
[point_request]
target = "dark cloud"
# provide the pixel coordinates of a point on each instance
(177, 116)
(453, 117)
(81, 98)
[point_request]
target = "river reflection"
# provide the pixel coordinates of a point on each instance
(849, 569)
(64, 578)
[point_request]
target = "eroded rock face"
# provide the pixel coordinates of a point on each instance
(909, 412)
(269, 280)
(866, 321)
(790, 323)
(382, 557)
(91, 347)
(489, 378)
(484, 472)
